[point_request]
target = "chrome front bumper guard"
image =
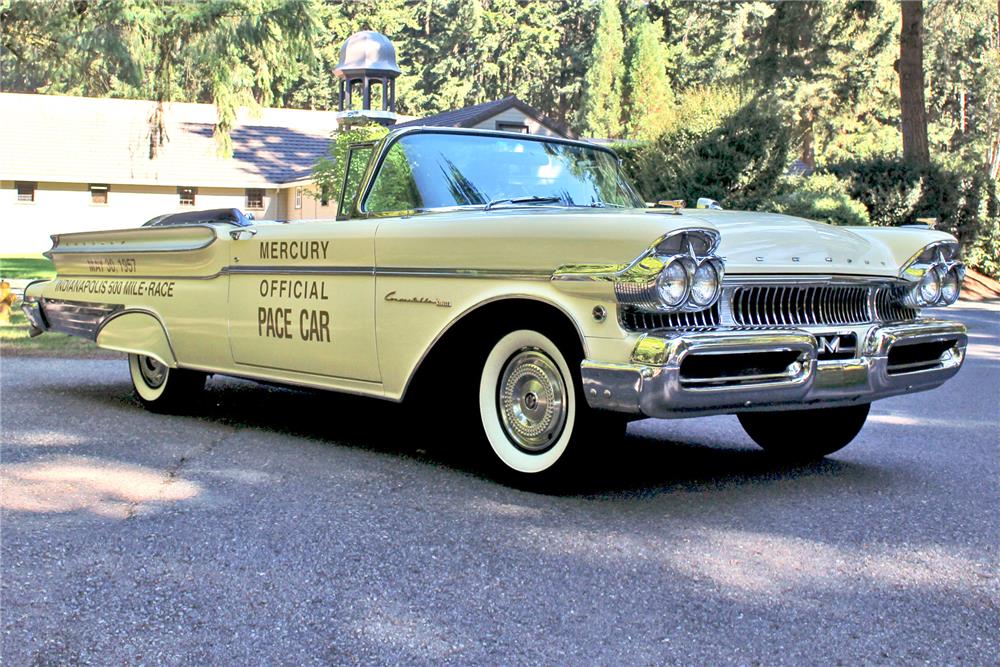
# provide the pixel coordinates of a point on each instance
(654, 384)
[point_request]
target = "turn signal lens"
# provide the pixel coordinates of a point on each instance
(674, 283)
(705, 285)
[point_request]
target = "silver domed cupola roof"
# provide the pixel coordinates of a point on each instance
(367, 53)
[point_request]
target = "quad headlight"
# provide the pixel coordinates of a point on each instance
(951, 284)
(673, 285)
(680, 272)
(686, 283)
(930, 286)
(707, 282)
(936, 277)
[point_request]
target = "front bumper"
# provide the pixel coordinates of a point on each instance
(693, 374)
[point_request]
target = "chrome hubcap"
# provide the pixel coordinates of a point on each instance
(532, 401)
(152, 371)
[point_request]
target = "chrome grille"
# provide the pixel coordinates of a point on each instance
(768, 305)
(764, 306)
(887, 308)
(634, 319)
(77, 318)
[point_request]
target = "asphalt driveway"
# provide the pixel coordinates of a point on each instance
(285, 527)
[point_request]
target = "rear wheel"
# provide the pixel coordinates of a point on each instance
(805, 435)
(532, 409)
(161, 388)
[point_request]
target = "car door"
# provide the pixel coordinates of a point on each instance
(301, 298)
(302, 295)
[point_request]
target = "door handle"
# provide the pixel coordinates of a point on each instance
(242, 234)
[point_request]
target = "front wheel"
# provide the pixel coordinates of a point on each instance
(532, 408)
(805, 435)
(161, 388)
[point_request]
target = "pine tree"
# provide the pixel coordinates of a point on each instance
(601, 113)
(648, 93)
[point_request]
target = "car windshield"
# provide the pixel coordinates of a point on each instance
(437, 170)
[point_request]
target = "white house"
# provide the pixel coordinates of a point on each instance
(77, 163)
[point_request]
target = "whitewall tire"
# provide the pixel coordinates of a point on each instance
(161, 388)
(528, 401)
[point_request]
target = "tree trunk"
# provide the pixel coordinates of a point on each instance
(911, 83)
(994, 154)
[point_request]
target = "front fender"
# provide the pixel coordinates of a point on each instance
(137, 332)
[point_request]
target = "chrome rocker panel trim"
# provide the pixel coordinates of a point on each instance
(652, 384)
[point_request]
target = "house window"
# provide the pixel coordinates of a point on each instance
(99, 194)
(255, 198)
(187, 196)
(26, 191)
(512, 127)
(298, 197)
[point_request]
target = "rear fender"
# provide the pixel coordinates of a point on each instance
(137, 332)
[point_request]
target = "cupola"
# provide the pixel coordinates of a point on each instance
(367, 65)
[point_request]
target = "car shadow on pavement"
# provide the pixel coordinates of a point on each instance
(642, 464)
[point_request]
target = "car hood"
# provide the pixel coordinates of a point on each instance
(540, 239)
(768, 243)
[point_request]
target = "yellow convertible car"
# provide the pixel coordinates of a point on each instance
(521, 280)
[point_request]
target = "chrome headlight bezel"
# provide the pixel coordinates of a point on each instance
(937, 262)
(641, 284)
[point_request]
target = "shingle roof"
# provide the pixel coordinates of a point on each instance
(89, 140)
(470, 116)
(67, 139)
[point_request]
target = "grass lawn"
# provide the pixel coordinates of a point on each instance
(14, 339)
(17, 267)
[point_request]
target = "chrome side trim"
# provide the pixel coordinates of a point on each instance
(337, 271)
(393, 272)
(512, 274)
(134, 276)
(294, 270)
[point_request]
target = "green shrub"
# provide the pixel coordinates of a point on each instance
(984, 255)
(821, 197)
(897, 193)
(890, 188)
(718, 147)
(962, 200)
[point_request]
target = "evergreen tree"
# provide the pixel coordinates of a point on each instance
(648, 93)
(601, 114)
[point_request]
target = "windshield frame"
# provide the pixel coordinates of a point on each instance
(360, 203)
